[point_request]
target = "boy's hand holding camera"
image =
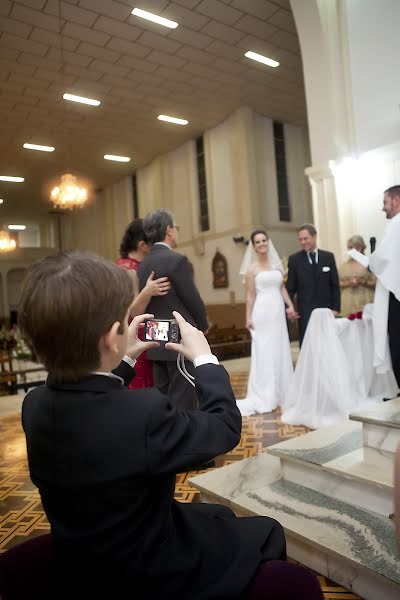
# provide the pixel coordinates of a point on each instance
(193, 342)
(135, 346)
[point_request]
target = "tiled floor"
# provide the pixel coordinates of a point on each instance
(21, 514)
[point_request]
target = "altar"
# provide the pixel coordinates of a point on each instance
(334, 374)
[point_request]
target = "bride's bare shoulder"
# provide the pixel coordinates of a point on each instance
(253, 268)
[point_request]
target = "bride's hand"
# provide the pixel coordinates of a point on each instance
(249, 324)
(292, 314)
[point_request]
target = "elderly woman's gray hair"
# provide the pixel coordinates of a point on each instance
(155, 225)
(357, 242)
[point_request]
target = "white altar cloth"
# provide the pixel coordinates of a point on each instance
(334, 374)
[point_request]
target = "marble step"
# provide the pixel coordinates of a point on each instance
(381, 425)
(352, 546)
(334, 461)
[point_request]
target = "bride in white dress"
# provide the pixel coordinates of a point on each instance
(271, 368)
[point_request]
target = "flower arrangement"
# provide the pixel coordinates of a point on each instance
(12, 343)
(21, 351)
(353, 316)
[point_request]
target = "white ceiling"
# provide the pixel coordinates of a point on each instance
(137, 70)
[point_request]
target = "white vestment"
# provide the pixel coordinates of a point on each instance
(384, 263)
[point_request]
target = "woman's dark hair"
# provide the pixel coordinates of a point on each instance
(133, 235)
(256, 232)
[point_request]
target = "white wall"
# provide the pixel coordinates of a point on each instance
(360, 184)
(373, 33)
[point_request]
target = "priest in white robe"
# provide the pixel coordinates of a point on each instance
(384, 263)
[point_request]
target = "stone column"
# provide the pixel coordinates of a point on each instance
(325, 209)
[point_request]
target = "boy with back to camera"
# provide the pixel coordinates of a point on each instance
(105, 458)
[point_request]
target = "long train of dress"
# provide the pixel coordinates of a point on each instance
(271, 369)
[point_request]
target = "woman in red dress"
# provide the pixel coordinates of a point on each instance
(133, 249)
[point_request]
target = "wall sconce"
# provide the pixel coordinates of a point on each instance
(240, 239)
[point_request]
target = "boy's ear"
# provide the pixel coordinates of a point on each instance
(108, 340)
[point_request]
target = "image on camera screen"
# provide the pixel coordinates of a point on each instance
(157, 331)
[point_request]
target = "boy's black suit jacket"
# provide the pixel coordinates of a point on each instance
(183, 295)
(105, 460)
(315, 286)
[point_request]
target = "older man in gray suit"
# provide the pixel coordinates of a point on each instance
(162, 232)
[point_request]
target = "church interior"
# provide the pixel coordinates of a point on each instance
(235, 115)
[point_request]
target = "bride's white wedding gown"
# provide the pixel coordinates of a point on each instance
(271, 368)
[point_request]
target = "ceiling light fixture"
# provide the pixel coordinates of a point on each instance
(262, 59)
(143, 14)
(68, 194)
(17, 227)
(13, 179)
(6, 243)
(1, 200)
(117, 158)
(172, 120)
(81, 99)
(38, 147)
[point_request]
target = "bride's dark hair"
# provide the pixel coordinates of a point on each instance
(256, 232)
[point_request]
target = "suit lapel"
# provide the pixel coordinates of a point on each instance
(321, 264)
(306, 263)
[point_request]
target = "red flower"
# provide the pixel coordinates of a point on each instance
(353, 316)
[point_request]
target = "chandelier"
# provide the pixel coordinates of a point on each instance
(6, 243)
(68, 194)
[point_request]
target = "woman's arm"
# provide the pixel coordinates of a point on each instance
(250, 296)
(290, 311)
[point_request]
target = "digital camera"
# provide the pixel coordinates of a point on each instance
(161, 330)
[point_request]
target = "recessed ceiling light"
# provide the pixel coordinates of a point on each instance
(262, 59)
(38, 147)
(172, 120)
(9, 178)
(17, 227)
(1, 200)
(81, 99)
(117, 158)
(138, 12)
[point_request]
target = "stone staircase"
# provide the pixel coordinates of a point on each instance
(332, 490)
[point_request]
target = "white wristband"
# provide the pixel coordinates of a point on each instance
(131, 361)
(205, 359)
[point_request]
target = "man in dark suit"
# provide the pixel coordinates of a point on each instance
(312, 278)
(162, 232)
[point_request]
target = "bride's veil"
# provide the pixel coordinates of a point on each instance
(250, 256)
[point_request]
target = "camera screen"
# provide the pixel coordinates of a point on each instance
(157, 330)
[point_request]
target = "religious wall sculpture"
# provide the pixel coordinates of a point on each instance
(220, 271)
